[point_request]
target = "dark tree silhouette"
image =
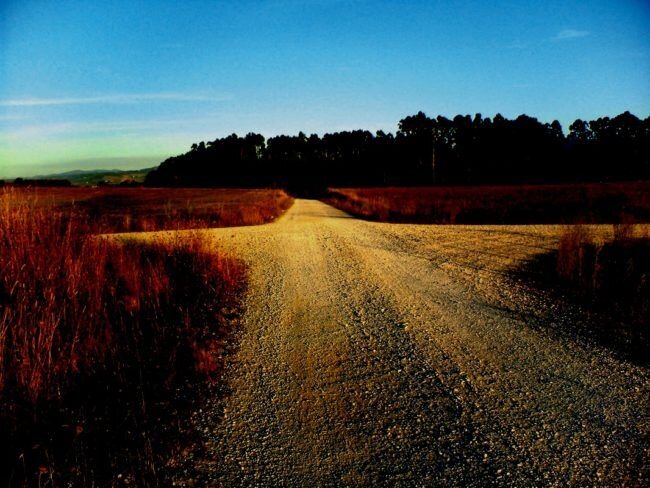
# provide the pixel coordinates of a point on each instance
(464, 150)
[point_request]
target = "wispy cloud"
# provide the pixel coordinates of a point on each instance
(12, 117)
(112, 99)
(103, 128)
(568, 34)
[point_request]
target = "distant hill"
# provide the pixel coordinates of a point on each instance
(92, 177)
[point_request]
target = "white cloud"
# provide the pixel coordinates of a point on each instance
(567, 34)
(111, 99)
(99, 128)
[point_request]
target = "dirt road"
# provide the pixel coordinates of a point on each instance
(401, 354)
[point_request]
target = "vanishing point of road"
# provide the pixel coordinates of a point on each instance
(374, 354)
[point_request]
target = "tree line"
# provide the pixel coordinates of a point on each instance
(464, 150)
(39, 182)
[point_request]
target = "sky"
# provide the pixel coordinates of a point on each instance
(126, 84)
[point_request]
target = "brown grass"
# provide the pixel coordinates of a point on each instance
(97, 339)
(613, 277)
(150, 209)
(540, 204)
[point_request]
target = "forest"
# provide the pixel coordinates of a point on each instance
(424, 151)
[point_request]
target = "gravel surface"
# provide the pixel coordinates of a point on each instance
(408, 355)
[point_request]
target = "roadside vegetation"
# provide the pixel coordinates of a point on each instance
(107, 210)
(612, 277)
(103, 344)
(528, 204)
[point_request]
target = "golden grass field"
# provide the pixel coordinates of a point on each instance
(522, 204)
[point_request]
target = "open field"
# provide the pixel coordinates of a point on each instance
(375, 353)
(103, 345)
(540, 204)
(346, 351)
(148, 209)
(324, 243)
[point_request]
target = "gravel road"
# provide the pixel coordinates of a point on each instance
(408, 355)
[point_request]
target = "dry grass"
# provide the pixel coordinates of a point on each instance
(97, 339)
(613, 277)
(542, 204)
(150, 209)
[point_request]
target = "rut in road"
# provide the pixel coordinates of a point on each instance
(406, 354)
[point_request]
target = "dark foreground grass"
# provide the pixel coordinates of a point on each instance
(613, 278)
(102, 347)
(533, 204)
(608, 279)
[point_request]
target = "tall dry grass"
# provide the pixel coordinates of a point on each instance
(96, 338)
(529, 204)
(612, 275)
(151, 209)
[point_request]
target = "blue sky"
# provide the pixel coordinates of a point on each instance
(128, 83)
